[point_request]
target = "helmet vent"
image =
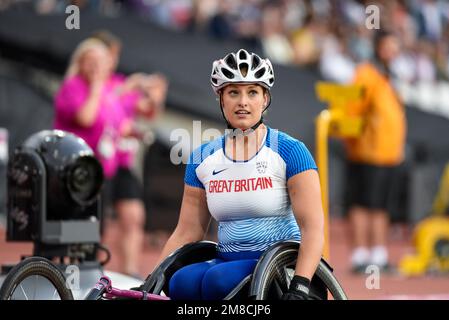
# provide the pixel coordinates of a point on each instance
(230, 61)
(256, 62)
(242, 55)
(243, 67)
(260, 73)
(228, 74)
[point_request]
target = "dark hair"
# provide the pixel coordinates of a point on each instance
(107, 37)
(380, 35)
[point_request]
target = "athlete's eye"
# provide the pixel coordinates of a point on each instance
(233, 92)
(253, 93)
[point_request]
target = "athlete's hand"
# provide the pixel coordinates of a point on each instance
(298, 290)
(294, 296)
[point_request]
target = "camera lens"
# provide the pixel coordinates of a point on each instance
(80, 179)
(84, 180)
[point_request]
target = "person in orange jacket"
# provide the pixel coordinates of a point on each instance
(374, 155)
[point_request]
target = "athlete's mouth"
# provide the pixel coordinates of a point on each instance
(242, 112)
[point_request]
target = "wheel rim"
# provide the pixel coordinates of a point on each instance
(35, 287)
(282, 270)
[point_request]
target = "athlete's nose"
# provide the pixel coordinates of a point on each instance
(243, 99)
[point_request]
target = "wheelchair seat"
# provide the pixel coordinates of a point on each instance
(270, 279)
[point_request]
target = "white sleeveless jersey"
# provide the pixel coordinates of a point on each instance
(249, 199)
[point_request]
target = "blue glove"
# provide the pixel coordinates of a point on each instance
(298, 290)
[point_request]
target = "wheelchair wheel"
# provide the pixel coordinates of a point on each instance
(157, 282)
(35, 278)
(273, 273)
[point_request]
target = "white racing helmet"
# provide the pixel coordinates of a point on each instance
(241, 67)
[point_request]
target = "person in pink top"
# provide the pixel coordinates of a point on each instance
(153, 87)
(100, 106)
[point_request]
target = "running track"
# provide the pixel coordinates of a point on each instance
(391, 286)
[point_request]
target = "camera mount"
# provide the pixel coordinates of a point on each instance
(54, 183)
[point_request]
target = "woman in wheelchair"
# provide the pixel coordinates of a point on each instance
(260, 184)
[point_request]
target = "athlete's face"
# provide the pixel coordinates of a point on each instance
(243, 104)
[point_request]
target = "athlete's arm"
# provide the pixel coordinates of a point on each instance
(305, 197)
(194, 220)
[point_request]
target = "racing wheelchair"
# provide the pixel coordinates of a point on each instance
(270, 279)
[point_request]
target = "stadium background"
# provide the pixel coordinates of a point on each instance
(167, 37)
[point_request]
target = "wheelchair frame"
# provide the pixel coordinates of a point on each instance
(270, 271)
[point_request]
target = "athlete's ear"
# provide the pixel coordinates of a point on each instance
(266, 98)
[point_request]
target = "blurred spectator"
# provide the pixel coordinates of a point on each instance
(295, 13)
(247, 25)
(425, 68)
(374, 156)
(221, 24)
(46, 6)
(305, 44)
(202, 11)
(294, 31)
(402, 22)
(430, 18)
(274, 41)
(99, 106)
(360, 44)
(173, 14)
(22, 4)
(113, 44)
(353, 12)
(442, 59)
(335, 63)
(153, 87)
(321, 8)
(403, 67)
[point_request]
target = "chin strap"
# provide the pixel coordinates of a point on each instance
(236, 131)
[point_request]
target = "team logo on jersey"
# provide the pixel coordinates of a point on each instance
(261, 166)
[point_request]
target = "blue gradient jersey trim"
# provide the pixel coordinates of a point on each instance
(294, 152)
(196, 158)
(256, 234)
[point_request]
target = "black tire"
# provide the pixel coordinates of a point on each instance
(157, 282)
(35, 266)
(273, 273)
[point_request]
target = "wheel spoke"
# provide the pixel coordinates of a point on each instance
(287, 277)
(278, 288)
(54, 293)
(35, 287)
(282, 278)
(26, 297)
